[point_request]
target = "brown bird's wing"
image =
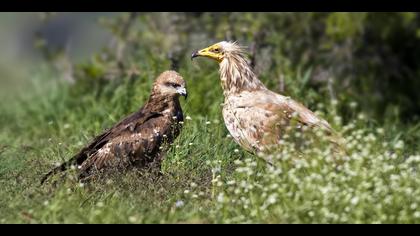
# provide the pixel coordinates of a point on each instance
(133, 147)
(129, 123)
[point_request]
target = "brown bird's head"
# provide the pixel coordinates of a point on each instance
(219, 51)
(170, 83)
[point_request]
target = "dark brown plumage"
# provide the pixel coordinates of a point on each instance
(141, 139)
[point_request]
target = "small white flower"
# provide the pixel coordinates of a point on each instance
(237, 162)
(132, 219)
(272, 199)
(215, 170)
(230, 182)
(399, 145)
(361, 116)
(190, 144)
(220, 197)
(188, 118)
(81, 185)
(354, 200)
(208, 122)
(236, 150)
(179, 203)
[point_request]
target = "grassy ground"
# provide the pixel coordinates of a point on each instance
(208, 178)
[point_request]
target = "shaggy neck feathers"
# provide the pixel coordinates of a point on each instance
(237, 76)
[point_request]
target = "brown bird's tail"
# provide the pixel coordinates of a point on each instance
(60, 168)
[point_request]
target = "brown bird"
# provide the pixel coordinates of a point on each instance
(139, 140)
(256, 117)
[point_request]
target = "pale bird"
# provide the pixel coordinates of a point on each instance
(141, 139)
(256, 117)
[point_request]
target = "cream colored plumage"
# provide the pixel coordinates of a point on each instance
(256, 117)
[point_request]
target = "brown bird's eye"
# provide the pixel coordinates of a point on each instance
(172, 84)
(216, 50)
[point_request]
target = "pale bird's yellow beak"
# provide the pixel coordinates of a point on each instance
(207, 53)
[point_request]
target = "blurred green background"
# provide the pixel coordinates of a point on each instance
(20, 54)
(371, 58)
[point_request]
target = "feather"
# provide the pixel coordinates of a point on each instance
(256, 117)
(139, 139)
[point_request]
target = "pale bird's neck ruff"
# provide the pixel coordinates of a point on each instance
(235, 73)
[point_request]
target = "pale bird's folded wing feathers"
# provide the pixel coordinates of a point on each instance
(268, 115)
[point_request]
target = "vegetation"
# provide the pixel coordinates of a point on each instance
(357, 70)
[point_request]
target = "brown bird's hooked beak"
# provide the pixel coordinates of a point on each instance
(183, 92)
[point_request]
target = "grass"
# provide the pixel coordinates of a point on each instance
(207, 177)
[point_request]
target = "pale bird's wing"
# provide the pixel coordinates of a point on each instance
(267, 116)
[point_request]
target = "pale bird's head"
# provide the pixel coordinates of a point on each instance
(170, 83)
(219, 51)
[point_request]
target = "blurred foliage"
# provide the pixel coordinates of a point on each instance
(370, 58)
(342, 65)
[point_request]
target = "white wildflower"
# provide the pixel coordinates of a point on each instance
(354, 200)
(220, 197)
(179, 203)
